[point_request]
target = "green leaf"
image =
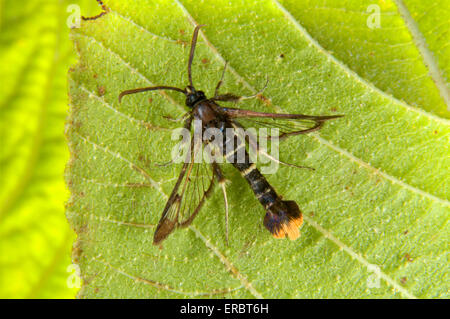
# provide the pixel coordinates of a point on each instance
(376, 207)
(407, 56)
(35, 239)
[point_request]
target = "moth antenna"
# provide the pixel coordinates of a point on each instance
(151, 88)
(191, 53)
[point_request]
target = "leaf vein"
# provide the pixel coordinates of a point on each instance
(227, 263)
(139, 169)
(128, 117)
(426, 54)
(359, 258)
(159, 285)
(128, 65)
(351, 73)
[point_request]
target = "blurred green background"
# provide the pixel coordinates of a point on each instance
(35, 238)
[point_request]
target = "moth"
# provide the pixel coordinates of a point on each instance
(196, 180)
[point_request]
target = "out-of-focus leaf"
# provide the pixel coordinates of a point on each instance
(35, 240)
(376, 207)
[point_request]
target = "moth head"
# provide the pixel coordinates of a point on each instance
(193, 96)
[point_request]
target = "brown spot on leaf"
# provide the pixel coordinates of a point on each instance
(77, 250)
(182, 42)
(101, 90)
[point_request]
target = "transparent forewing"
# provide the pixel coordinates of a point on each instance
(266, 126)
(286, 124)
(194, 184)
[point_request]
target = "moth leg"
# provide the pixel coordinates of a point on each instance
(258, 93)
(227, 97)
(222, 183)
(138, 185)
(164, 164)
(224, 191)
(187, 122)
(219, 84)
(105, 11)
(177, 119)
(252, 141)
(230, 97)
(261, 151)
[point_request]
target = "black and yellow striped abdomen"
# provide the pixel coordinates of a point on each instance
(283, 218)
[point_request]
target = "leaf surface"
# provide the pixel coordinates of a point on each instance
(376, 207)
(401, 47)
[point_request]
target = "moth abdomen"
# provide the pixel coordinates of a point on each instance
(283, 219)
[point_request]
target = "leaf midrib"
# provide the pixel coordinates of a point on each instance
(353, 74)
(421, 44)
